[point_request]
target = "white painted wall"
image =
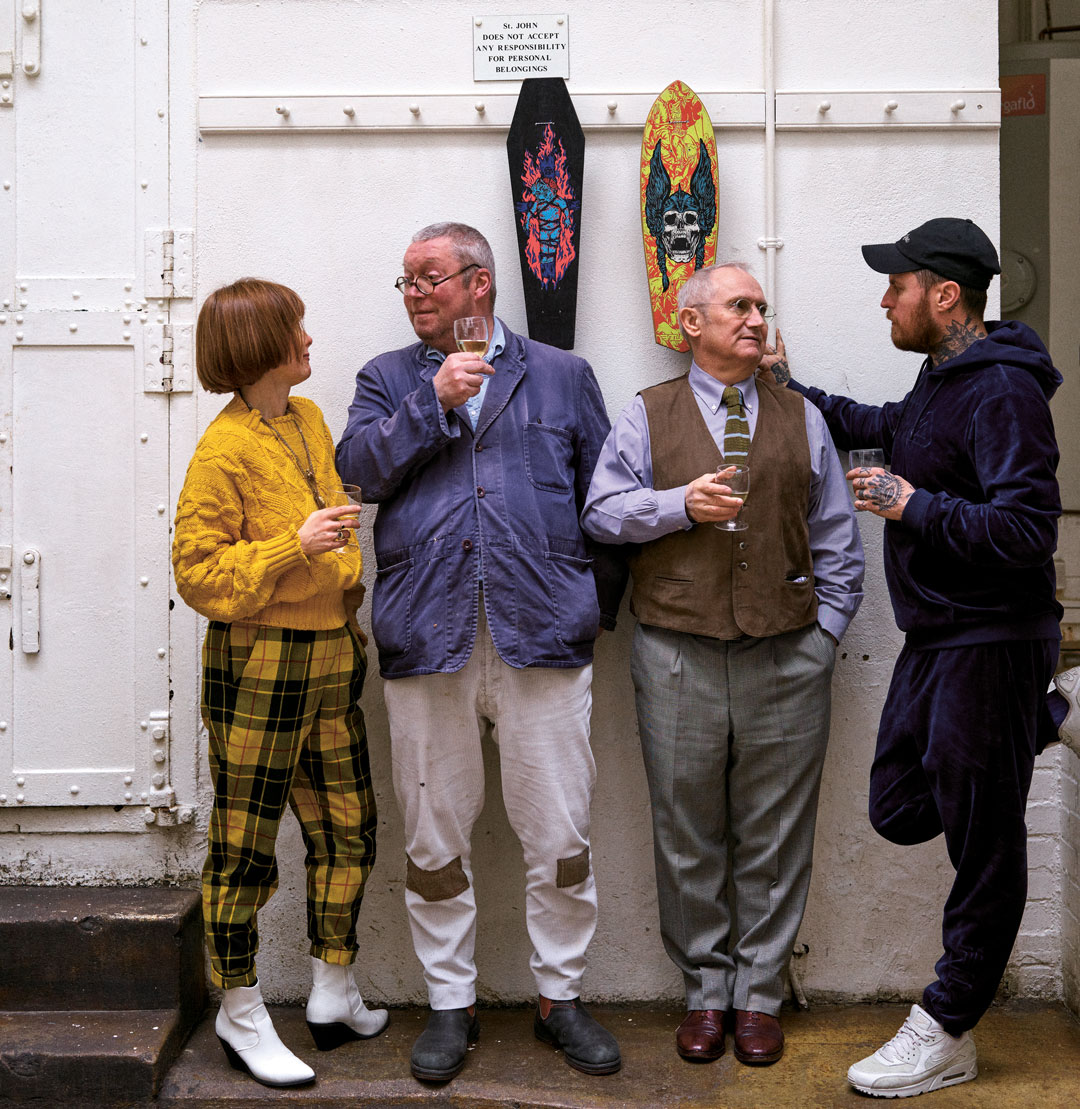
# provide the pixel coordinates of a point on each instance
(331, 215)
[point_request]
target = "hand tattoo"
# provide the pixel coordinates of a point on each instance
(882, 491)
(780, 371)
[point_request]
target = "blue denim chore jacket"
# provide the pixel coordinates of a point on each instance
(499, 504)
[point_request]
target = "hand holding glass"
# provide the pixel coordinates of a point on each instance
(471, 334)
(347, 494)
(737, 479)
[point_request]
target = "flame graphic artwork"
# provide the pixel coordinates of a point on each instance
(547, 209)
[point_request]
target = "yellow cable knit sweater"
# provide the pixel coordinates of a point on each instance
(236, 551)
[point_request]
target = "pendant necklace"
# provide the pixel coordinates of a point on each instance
(308, 474)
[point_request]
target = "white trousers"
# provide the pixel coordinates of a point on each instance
(540, 722)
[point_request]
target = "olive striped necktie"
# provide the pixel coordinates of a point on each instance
(736, 430)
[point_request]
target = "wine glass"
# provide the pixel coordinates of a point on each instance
(471, 334)
(347, 494)
(737, 479)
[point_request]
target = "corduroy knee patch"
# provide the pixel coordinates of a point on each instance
(436, 885)
(568, 872)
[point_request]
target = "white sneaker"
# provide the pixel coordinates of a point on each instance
(921, 1057)
(1067, 684)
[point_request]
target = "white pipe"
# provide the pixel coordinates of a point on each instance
(769, 243)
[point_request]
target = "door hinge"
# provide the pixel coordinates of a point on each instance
(167, 358)
(168, 254)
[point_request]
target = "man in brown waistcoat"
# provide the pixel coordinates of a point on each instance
(733, 651)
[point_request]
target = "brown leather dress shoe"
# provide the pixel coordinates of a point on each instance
(700, 1037)
(758, 1038)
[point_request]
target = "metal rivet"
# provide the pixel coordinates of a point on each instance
(282, 111)
(143, 724)
(142, 40)
(19, 797)
(22, 288)
(159, 756)
(7, 184)
(560, 21)
(891, 105)
(479, 106)
(161, 652)
(3, 725)
(161, 113)
(127, 795)
(75, 296)
(144, 581)
(127, 779)
(415, 109)
(3, 798)
(127, 319)
(127, 287)
(19, 319)
(349, 110)
(478, 22)
(612, 106)
(23, 303)
(161, 510)
(958, 105)
(148, 816)
(29, 558)
(143, 437)
(5, 83)
(74, 790)
(144, 184)
(158, 780)
(161, 319)
(3, 439)
(158, 732)
(144, 796)
(3, 319)
(18, 336)
(127, 336)
(20, 782)
(824, 106)
(6, 98)
(73, 327)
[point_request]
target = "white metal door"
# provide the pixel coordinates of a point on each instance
(84, 402)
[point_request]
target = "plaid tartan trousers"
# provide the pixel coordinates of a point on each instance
(285, 728)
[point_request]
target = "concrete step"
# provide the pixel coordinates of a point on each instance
(99, 989)
(1029, 1054)
(89, 948)
(79, 1058)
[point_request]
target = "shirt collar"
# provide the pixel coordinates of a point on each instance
(711, 392)
(495, 347)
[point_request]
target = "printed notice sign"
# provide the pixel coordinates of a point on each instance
(511, 47)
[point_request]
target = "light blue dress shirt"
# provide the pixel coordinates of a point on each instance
(623, 507)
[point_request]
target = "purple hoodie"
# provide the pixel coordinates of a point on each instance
(972, 559)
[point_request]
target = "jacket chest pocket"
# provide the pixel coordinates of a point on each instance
(549, 453)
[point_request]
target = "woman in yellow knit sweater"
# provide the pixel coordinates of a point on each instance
(258, 552)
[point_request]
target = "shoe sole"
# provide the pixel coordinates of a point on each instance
(759, 1060)
(329, 1036)
(948, 1077)
(238, 1064)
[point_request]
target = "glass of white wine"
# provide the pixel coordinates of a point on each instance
(737, 479)
(348, 494)
(471, 334)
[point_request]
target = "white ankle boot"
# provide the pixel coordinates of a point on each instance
(247, 1034)
(336, 1012)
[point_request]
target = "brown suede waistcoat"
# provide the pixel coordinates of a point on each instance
(721, 584)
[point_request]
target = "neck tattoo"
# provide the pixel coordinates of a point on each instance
(957, 338)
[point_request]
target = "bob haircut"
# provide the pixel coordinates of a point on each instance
(245, 329)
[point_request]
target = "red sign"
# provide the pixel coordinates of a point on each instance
(1023, 94)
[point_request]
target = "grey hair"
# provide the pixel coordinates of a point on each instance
(470, 247)
(699, 283)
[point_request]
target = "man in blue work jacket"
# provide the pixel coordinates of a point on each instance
(487, 601)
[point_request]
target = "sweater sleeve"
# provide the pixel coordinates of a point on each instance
(219, 573)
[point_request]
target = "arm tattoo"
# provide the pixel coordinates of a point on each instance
(958, 337)
(883, 491)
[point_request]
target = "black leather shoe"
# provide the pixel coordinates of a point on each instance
(587, 1046)
(439, 1051)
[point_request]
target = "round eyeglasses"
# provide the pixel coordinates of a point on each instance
(426, 285)
(742, 307)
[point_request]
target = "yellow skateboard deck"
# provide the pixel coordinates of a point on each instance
(678, 202)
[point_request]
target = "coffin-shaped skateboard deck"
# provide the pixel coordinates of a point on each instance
(546, 152)
(678, 202)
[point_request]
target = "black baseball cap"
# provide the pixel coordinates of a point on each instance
(955, 248)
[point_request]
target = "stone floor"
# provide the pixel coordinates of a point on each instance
(1029, 1055)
